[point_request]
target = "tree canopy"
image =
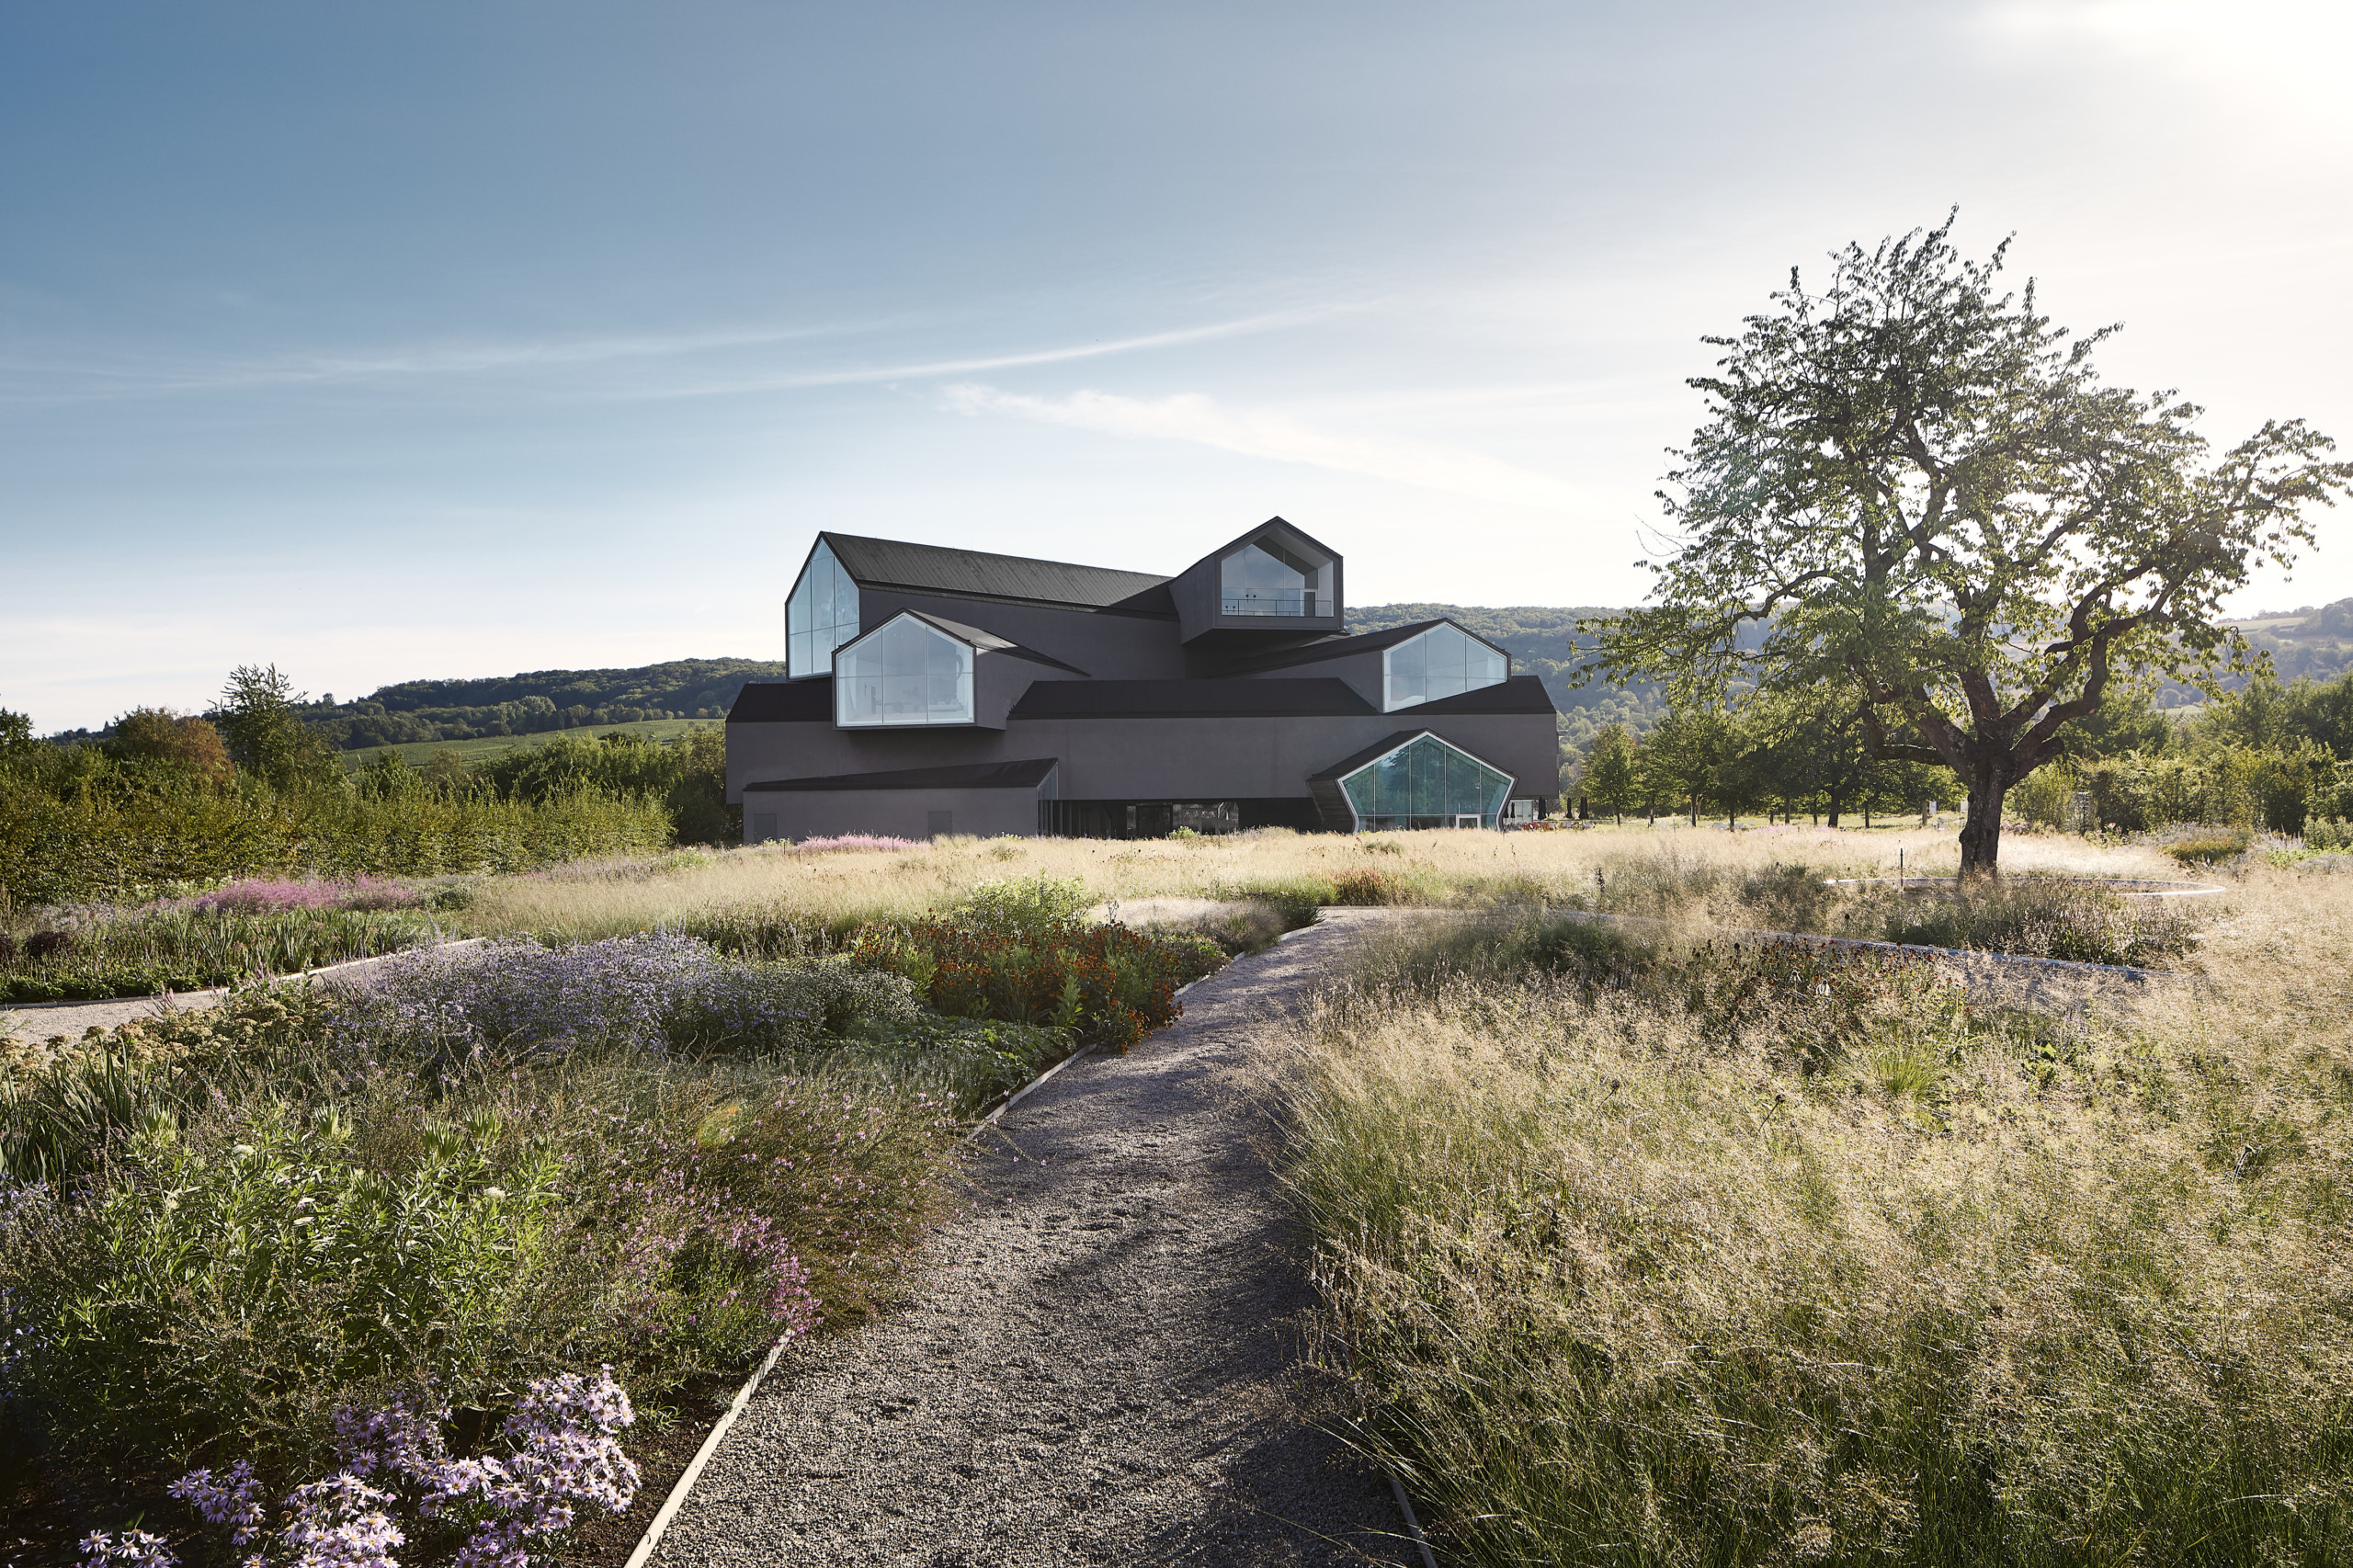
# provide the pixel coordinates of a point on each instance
(1918, 489)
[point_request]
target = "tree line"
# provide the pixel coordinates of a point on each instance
(250, 788)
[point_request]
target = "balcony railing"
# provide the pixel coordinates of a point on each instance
(1268, 604)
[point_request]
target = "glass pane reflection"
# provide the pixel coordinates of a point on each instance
(1266, 579)
(903, 674)
(1442, 662)
(820, 615)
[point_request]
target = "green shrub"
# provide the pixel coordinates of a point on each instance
(1025, 906)
(966, 1064)
(120, 845)
(215, 1299)
(2208, 849)
(259, 1242)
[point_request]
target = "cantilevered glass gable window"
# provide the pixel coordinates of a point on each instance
(1442, 662)
(1266, 578)
(1426, 783)
(903, 673)
(821, 615)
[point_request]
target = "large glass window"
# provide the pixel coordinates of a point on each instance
(821, 615)
(1426, 783)
(1442, 661)
(1265, 578)
(903, 673)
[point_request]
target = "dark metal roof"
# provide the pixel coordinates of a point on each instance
(1190, 699)
(987, 640)
(1517, 694)
(1326, 648)
(1027, 775)
(973, 573)
(784, 701)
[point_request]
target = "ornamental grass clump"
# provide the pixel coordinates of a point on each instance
(265, 895)
(2036, 917)
(1649, 1253)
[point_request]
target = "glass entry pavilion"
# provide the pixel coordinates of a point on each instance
(1418, 781)
(936, 690)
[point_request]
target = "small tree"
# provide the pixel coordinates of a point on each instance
(187, 745)
(266, 736)
(1610, 771)
(1682, 756)
(1922, 495)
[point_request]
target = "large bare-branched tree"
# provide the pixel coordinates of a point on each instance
(1919, 490)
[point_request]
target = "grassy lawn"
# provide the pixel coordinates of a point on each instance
(484, 747)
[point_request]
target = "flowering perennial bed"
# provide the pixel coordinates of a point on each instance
(318, 1274)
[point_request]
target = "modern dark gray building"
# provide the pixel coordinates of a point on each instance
(936, 690)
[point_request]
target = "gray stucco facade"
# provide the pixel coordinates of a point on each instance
(970, 693)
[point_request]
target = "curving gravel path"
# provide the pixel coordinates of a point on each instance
(1102, 1365)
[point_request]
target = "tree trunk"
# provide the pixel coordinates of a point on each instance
(1835, 801)
(1981, 834)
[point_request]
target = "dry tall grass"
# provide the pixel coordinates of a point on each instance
(1634, 1275)
(610, 899)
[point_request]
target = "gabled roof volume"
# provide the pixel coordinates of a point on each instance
(973, 574)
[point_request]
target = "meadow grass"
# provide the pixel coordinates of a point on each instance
(1642, 1254)
(838, 889)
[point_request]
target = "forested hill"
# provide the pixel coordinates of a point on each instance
(538, 701)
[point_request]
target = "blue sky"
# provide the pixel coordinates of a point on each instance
(444, 340)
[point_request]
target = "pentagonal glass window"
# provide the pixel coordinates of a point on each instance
(1426, 783)
(903, 673)
(1445, 661)
(821, 615)
(1268, 577)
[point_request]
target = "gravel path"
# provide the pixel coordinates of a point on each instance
(1104, 1364)
(41, 1022)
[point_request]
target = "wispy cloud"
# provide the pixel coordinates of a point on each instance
(1262, 433)
(671, 371)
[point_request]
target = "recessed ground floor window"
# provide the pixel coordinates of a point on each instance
(1152, 819)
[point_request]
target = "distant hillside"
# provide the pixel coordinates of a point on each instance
(1542, 640)
(536, 702)
(2308, 642)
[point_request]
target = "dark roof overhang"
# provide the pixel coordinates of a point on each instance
(1025, 775)
(807, 701)
(1318, 697)
(1515, 694)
